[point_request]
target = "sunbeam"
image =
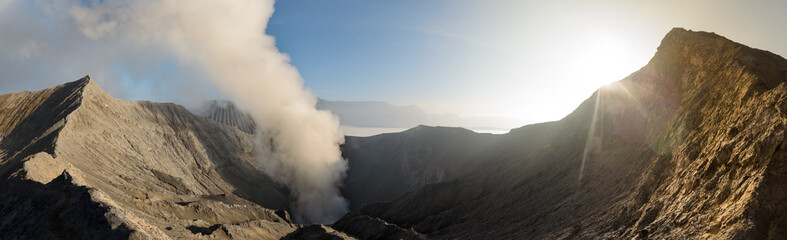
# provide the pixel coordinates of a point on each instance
(590, 138)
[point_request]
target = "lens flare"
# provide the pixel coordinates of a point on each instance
(642, 109)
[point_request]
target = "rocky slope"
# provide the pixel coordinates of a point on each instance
(226, 113)
(690, 146)
(77, 163)
(385, 166)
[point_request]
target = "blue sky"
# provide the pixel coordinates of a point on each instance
(531, 60)
(361, 50)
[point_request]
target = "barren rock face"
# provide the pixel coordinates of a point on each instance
(147, 170)
(690, 146)
(225, 112)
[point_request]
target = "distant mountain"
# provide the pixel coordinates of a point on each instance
(357, 116)
(378, 114)
(385, 166)
(692, 146)
(225, 112)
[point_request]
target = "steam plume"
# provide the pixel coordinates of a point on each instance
(225, 41)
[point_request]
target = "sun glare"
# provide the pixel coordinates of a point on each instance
(608, 59)
(602, 60)
(592, 61)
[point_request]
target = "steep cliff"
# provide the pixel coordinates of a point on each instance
(690, 146)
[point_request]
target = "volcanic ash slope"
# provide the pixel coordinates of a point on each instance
(690, 146)
(77, 163)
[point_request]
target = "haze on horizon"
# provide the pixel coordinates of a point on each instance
(529, 60)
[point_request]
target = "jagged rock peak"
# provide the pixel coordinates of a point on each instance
(81, 84)
(90, 87)
(682, 48)
(26, 117)
(64, 178)
(73, 92)
(687, 41)
(86, 79)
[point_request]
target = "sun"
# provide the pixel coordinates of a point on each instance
(603, 58)
(610, 59)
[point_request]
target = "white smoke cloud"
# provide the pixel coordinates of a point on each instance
(221, 41)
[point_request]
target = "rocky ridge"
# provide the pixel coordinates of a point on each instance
(138, 170)
(690, 146)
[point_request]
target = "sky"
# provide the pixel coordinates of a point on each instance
(530, 60)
